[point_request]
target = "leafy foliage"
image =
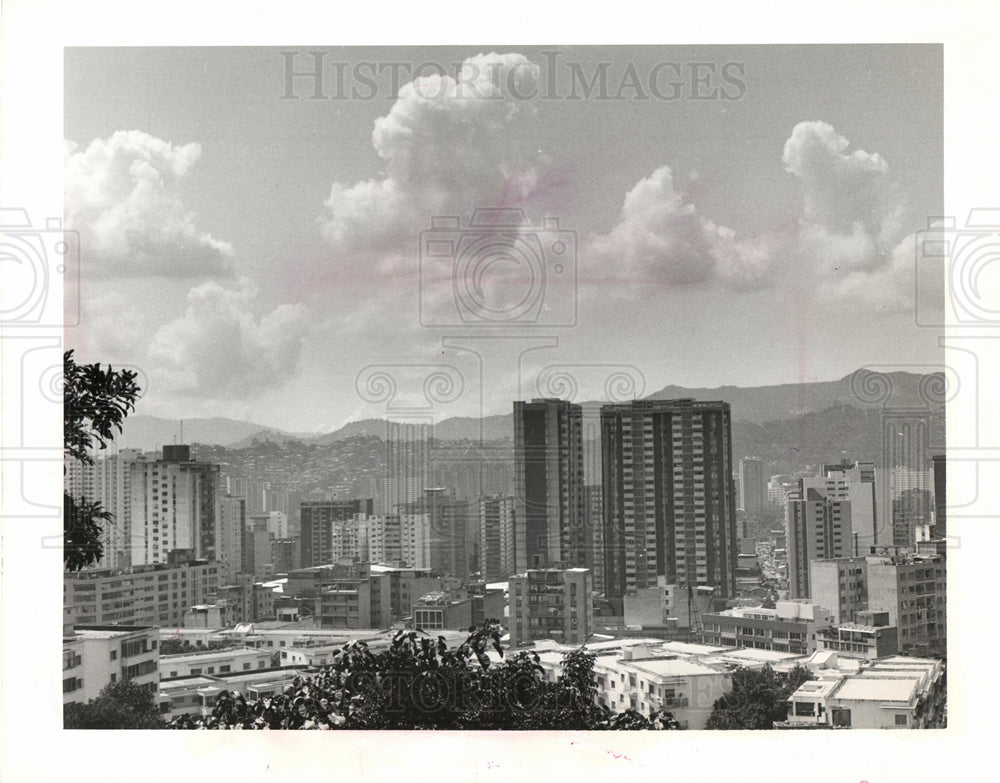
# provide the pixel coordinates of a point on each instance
(82, 532)
(120, 705)
(758, 698)
(95, 403)
(419, 683)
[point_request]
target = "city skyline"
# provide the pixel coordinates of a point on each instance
(746, 227)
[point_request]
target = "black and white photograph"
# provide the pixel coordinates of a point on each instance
(527, 391)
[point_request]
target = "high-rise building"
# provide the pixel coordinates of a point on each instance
(938, 462)
(174, 505)
(317, 518)
(548, 485)
(229, 539)
(415, 540)
(594, 500)
(818, 528)
(109, 482)
(853, 481)
(257, 551)
(496, 530)
(669, 504)
(454, 533)
(551, 603)
(752, 487)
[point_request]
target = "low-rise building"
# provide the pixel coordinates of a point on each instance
(870, 638)
(355, 603)
(789, 627)
(687, 688)
(197, 694)
(457, 609)
(227, 661)
(894, 693)
(155, 595)
(98, 655)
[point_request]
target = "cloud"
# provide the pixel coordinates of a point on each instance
(852, 211)
(846, 239)
(220, 348)
(123, 196)
(448, 145)
(660, 239)
(891, 285)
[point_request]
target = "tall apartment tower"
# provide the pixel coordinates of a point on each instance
(818, 528)
(496, 531)
(752, 487)
(317, 518)
(454, 532)
(669, 499)
(175, 504)
(550, 513)
(229, 537)
(856, 481)
(939, 462)
(109, 481)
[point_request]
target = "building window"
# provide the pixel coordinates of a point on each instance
(114, 655)
(901, 720)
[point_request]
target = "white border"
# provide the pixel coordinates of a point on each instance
(34, 33)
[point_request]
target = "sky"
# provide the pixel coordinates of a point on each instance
(429, 232)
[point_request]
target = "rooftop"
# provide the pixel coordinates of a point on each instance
(105, 631)
(211, 655)
(867, 688)
(670, 667)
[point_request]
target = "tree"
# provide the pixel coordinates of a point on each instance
(95, 403)
(419, 683)
(120, 705)
(758, 698)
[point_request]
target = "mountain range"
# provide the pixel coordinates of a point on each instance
(753, 407)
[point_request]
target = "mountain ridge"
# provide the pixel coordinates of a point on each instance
(757, 405)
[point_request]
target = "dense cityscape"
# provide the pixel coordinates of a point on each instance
(678, 570)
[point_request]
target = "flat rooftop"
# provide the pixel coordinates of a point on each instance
(670, 667)
(212, 655)
(899, 689)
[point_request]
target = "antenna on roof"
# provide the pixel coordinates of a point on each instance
(182, 430)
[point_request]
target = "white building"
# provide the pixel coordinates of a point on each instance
(892, 693)
(226, 661)
(175, 504)
(97, 655)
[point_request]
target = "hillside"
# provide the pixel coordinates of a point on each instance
(756, 407)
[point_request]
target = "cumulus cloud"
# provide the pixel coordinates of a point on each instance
(851, 209)
(660, 239)
(449, 144)
(123, 196)
(891, 285)
(848, 241)
(221, 348)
